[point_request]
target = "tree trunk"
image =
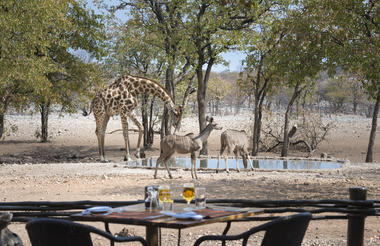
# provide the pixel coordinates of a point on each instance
(217, 106)
(255, 145)
(260, 94)
(150, 129)
(369, 157)
(44, 111)
(285, 146)
(3, 110)
(237, 107)
(257, 124)
(144, 116)
(2, 118)
(170, 87)
(202, 110)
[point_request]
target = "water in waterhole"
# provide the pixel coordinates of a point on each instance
(269, 164)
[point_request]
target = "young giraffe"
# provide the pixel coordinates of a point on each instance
(120, 98)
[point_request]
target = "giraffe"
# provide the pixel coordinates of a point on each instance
(120, 98)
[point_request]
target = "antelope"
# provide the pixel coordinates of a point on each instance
(189, 143)
(238, 142)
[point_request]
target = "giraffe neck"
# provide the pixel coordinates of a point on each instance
(138, 85)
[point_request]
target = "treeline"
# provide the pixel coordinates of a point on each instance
(288, 44)
(340, 94)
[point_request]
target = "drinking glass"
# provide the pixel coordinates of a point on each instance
(163, 193)
(167, 204)
(200, 197)
(188, 194)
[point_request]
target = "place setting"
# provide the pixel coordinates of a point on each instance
(159, 208)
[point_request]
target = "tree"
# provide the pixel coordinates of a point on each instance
(352, 42)
(194, 34)
(132, 52)
(84, 31)
(342, 90)
(162, 21)
(218, 90)
(259, 74)
(214, 27)
(35, 52)
(299, 59)
(25, 37)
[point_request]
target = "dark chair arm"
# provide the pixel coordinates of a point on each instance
(112, 237)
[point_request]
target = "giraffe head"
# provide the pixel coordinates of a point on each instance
(176, 113)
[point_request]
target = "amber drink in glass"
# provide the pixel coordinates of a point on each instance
(188, 194)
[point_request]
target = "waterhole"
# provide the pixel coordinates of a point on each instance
(269, 164)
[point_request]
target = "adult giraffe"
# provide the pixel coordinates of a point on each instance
(120, 98)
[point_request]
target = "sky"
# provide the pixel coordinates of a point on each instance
(234, 58)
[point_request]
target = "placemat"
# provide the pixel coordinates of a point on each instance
(140, 215)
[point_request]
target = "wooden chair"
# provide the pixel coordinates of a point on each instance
(288, 230)
(59, 232)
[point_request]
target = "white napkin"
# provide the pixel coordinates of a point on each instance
(188, 215)
(96, 210)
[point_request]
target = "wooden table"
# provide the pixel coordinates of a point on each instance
(152, 220)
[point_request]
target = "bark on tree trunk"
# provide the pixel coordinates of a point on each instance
(3, 110)
(285, 146)
(202, 114)
(44, 111)
(144, 116)
(260, 94)
(255, 146)
(217, 107)
(257, 125)
(372, 136)
(202, 87)
(170, 87)
(2, 117)
(150, 130)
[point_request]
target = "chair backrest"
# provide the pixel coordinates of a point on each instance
(48, 232)
(288, 230)
(283, 231)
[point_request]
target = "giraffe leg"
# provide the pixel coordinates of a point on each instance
(124, 125)
(133, 117)
(101, 125)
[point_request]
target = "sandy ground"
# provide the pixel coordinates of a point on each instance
(67, 168)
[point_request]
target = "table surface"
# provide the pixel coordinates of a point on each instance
(138, 215)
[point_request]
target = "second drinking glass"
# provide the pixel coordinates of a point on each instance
(164, 194)
(188, 194)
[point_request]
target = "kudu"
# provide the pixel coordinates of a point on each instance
(183, 145)
(238, 142)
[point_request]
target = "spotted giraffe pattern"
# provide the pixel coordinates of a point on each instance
(120, 98)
